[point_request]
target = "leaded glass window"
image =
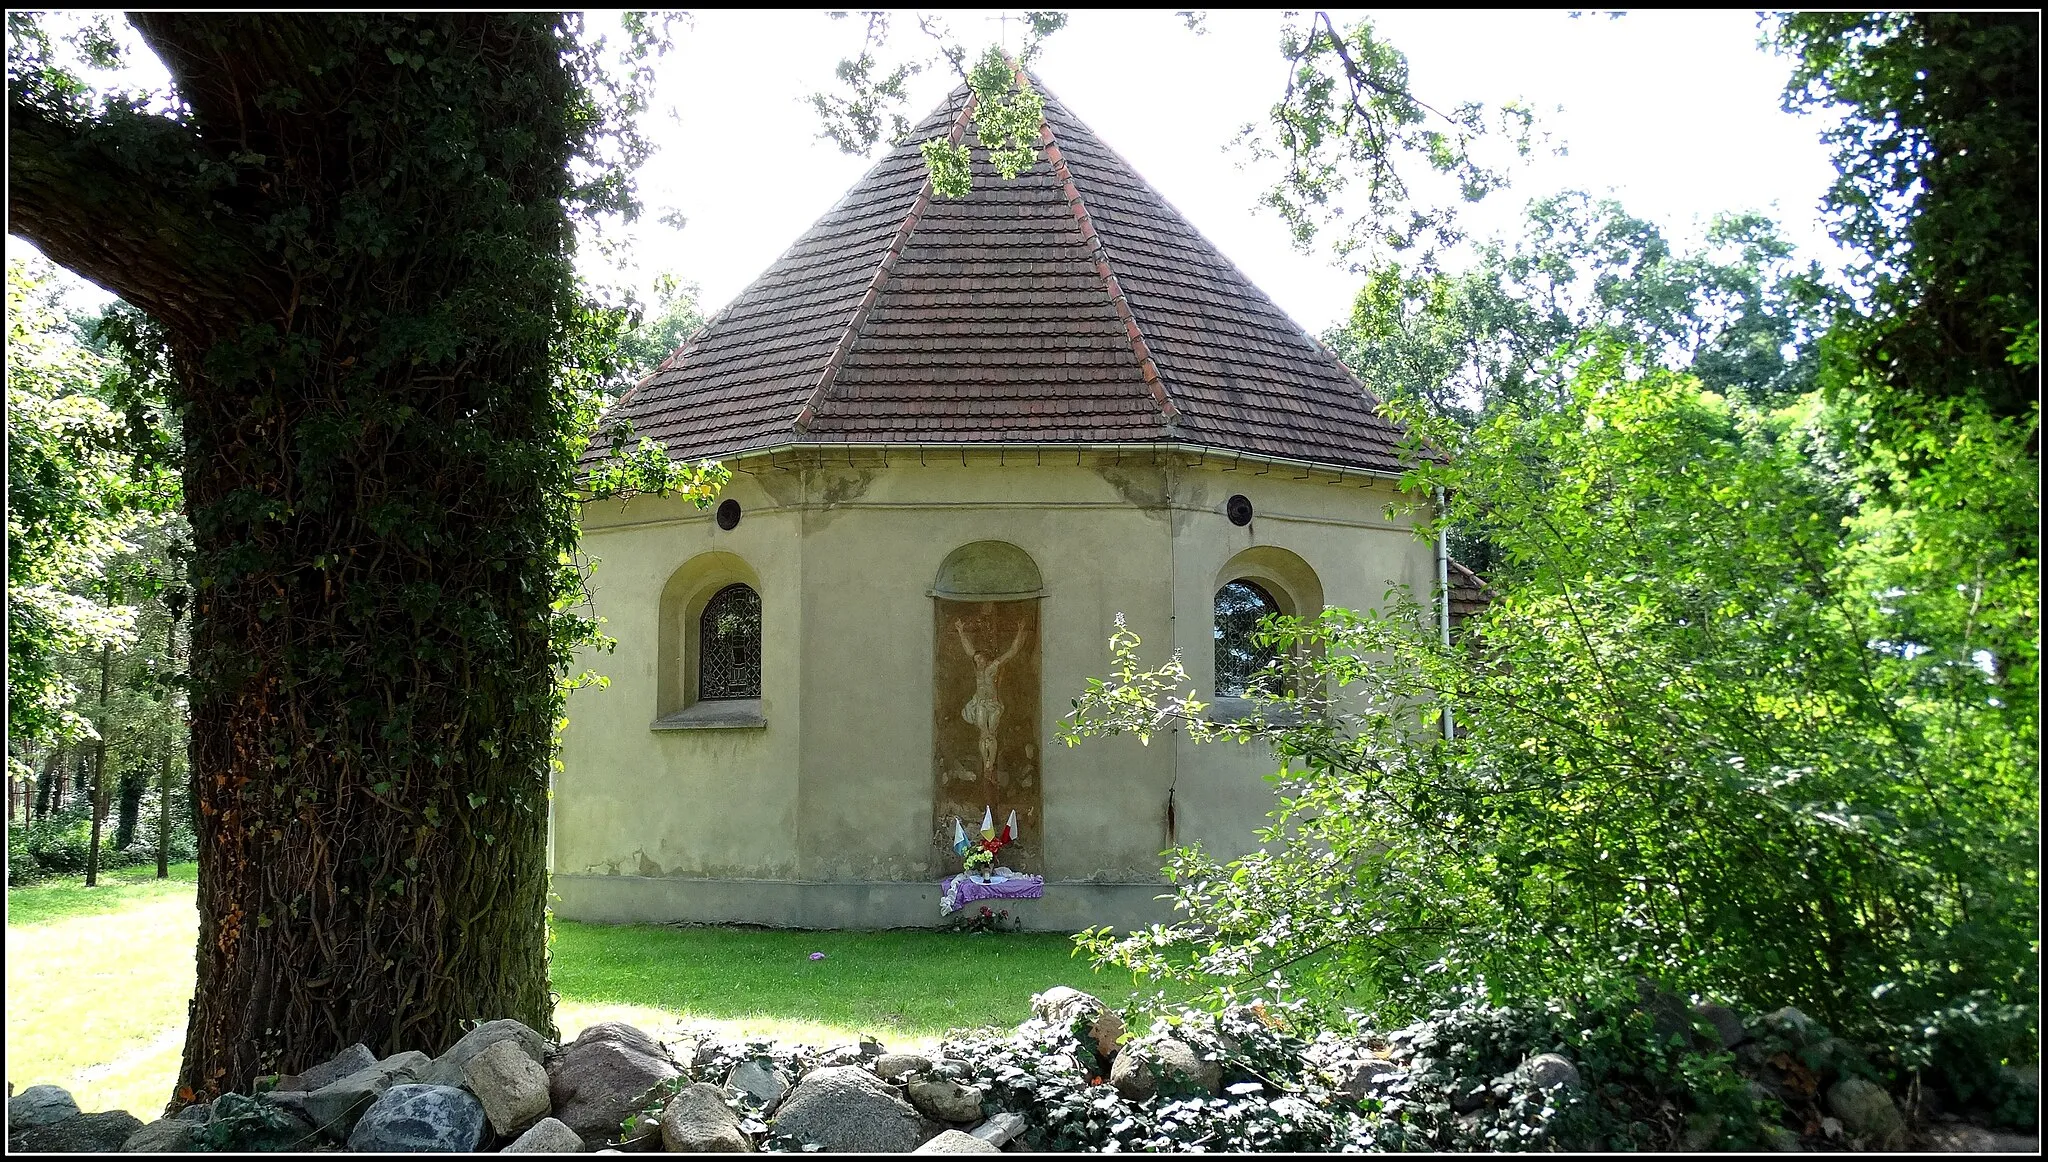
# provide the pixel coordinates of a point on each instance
(729, 646)
(1239, 606)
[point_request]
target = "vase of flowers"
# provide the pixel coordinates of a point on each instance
(980, 860)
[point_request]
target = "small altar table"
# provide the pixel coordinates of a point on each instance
(961, 890)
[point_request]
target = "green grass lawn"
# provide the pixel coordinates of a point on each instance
(98, 980)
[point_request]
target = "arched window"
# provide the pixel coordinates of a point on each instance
(1239, 606)
(729, 646)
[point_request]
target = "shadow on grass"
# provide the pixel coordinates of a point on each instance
(66, 897)
(914, 983)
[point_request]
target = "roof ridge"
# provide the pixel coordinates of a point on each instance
(883, 269)
(1100, 254)
(1244, 280)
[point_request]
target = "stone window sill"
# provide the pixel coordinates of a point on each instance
(733, 714)
(1235, 709)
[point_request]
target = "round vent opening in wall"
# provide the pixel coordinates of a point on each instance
(728, 514)
(1239, 510)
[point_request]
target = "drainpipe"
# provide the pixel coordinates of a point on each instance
(1443, 589)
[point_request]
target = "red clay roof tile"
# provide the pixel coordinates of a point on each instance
(1072, 304)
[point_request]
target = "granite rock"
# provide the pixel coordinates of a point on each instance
(895, 1066)
(510, 1084)
(846, 1109)
(601, 1076)
(955, 1142)
(547, 1136)
(447, 1068)
(1144, 1068)
(40, 1105)
(946, 1100)
(1550, 1070)
(164, 1136)
(697, 1121)
(103, 1133)
(334, 1108)
(414, 1119)
(1867, 1112)
(1000, 1129)
(353, 1059)
(759, 1083)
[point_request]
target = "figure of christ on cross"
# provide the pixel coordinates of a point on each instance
(984, 711)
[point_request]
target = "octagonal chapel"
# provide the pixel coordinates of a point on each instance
(964, 435)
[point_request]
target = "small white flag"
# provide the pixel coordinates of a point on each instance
(988, 822)
(1011, 827)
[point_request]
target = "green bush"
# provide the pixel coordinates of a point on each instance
(57, 845)
(1713, 730)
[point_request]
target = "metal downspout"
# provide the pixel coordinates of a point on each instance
(1443, 589)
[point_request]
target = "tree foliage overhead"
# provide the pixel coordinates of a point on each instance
(1938, 160)
(76, 492)
(1740, 311)
(355, 232)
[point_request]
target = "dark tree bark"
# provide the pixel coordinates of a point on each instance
(129, 789)
(99, 769)
(356, 240)
(46, 786)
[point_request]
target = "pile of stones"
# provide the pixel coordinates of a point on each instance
(503, 1087)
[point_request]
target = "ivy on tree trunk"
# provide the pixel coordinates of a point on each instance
(356, 235)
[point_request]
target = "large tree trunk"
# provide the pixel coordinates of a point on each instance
(163, 817)
(129, 790)
(46, 786)
(99, 769)
(358, 247)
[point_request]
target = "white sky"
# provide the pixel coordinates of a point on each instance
(1674, 113)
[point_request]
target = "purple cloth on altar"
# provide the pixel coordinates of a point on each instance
(962, 891)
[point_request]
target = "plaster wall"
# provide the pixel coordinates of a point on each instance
(823, 816)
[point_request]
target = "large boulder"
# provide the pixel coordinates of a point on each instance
(353, 1059)
(1867, 1112)
(601, 1077)
(416, 1119)
(40, 1105)
(164, 1136)
(697, 1121)
(945, 1100)
(1166, 1065)
(334, 1107)
(510, 1084)
(80, 1134)
(548, 1136)
(846, 1109)
(759, 1083)
(447, 1068)
(1098, 1025)
(955, 1142)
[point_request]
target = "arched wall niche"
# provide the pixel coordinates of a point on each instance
(689, 589)
(1284, 576)
(987, 677)
(988, 571)
(1281, 573)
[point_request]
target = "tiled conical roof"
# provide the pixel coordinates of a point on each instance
(1071, 305)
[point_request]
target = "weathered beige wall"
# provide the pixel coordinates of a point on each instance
(837, 786)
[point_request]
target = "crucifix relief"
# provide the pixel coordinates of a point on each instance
(985, 700)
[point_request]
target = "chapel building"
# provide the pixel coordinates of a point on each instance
(965, 435)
